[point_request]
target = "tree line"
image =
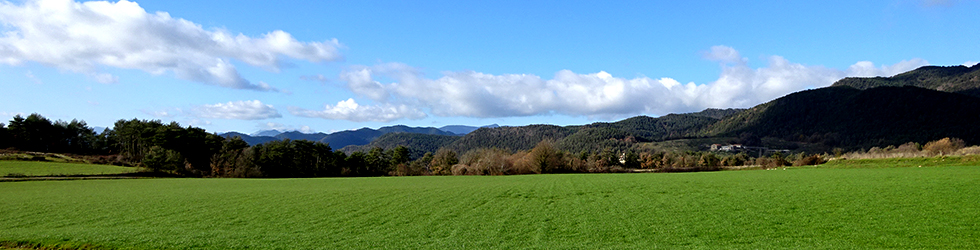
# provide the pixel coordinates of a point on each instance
(191, 151)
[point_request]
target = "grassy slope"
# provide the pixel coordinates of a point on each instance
(938, 161)
(33, 168)
(797, 208)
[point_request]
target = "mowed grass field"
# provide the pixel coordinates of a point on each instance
(928, 207)
(41, 168)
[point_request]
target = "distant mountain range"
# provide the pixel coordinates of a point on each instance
(921, 105)
(462, 130)
(270, 133)
(342, 139)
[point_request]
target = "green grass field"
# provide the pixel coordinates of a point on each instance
(35, 168)
(938, 161)
(929, 207)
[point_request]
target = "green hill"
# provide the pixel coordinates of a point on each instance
(955, 79)
(418, 144)
(511, 138)
(852, 118)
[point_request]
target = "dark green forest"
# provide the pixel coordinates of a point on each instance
(954, 79)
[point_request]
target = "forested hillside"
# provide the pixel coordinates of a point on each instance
(852, 118)
(954, 79)
(418, 144)
(510, 138)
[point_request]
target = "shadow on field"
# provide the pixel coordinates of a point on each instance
(134, 175)
(64, 246)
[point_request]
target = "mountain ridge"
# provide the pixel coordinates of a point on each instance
(340, 139)
(954, 79)
(921, 105)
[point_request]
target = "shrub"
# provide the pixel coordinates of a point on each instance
(521, 163)
(460, 169)
(544, 158)
(443, 161)
(485, 162)
(944, 146)
(809, 160)
(974, 150)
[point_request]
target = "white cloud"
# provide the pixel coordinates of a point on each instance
(167, 113)
(318, 78)
(867, 69)
(970, 63)
(30, 75)
(306, 130)
(272, 126)
(82, 37)
(198, 123)
(475, 94)
(104, 78)
(237, 110)
(351, 111)
(725, 54)
(283, 128)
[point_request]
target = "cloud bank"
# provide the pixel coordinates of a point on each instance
(237, 110)
(351, 111)
(82, 37)
(475, 94)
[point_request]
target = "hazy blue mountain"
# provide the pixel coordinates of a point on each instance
(251, 140)
(271, 133)
(463, 130)
(337, 140)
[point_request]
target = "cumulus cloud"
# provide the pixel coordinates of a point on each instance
(475, 94)
(721, 53)
(82, 37)
(352, 111)
(970, 63)
(237, 110)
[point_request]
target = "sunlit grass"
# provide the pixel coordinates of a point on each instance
(904, 208)
(36, 168)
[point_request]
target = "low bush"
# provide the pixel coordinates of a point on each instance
(944, 146)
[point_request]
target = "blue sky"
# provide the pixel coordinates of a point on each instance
(328, 66)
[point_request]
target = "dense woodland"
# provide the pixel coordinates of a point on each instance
(955, 79)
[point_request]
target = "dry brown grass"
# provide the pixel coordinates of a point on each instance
(945, 146)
